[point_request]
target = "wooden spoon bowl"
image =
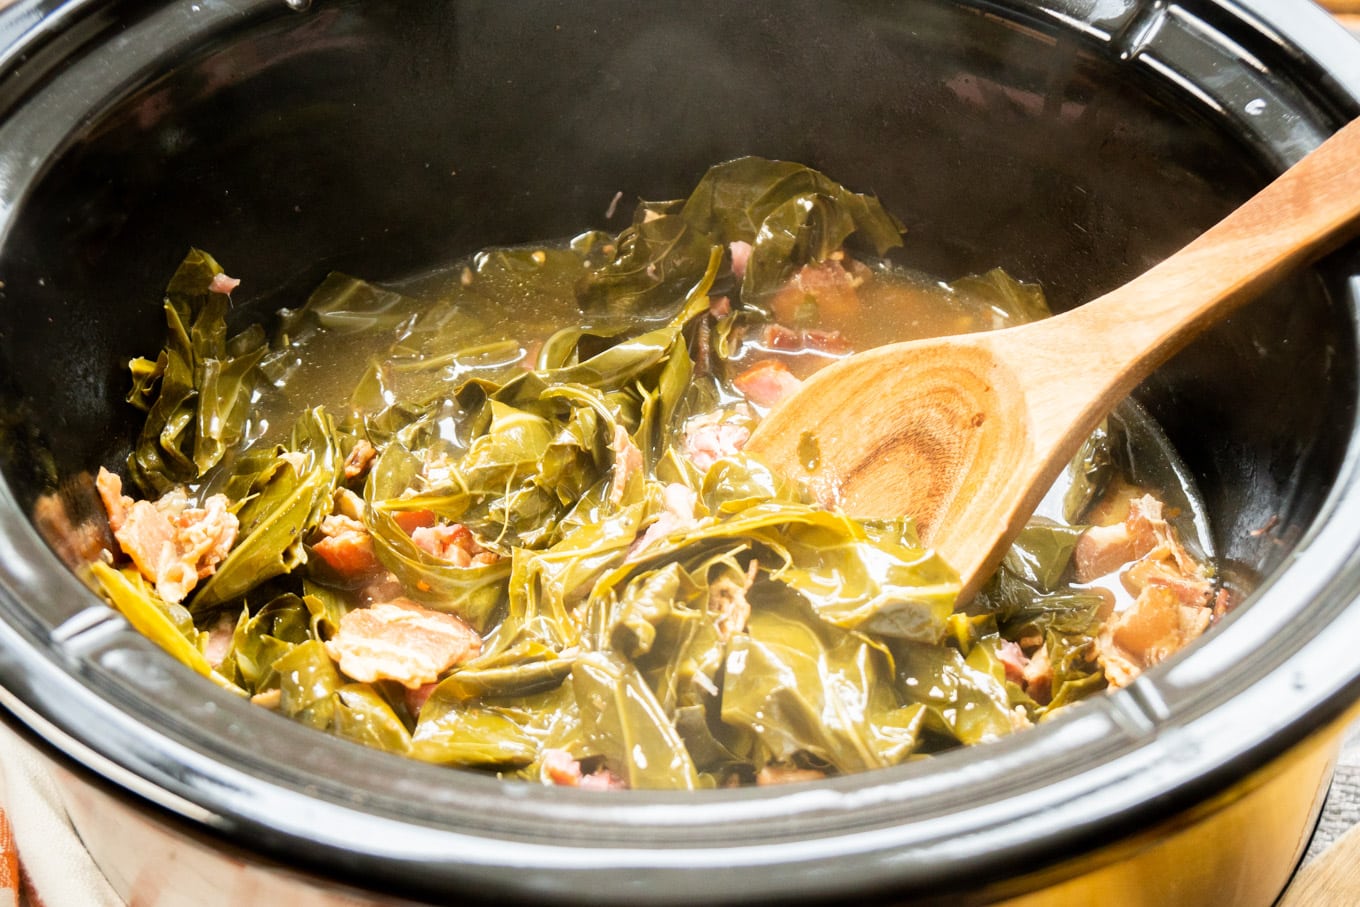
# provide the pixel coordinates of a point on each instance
(966, 433)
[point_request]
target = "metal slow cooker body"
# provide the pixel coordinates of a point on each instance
(1073, 142)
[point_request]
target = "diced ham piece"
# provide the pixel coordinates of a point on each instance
(1103, 549)
(741, 257)
(223, 284)
(560, 768)
(710, 437)
(453, 542)
(219, 640)
(818, 293)
(359, 459)
(602, 779)
(401, 641)
(346, 547)
(727, 600)
(678, 503)
(172, 544)
(1174, 598)
(416, 698)
(627, 463)
(1148, 632)
(766, 383)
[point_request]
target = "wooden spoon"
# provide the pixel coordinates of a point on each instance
(966, 433)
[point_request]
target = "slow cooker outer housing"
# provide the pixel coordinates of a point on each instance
(1074, 142)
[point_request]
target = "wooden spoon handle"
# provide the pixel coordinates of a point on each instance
(1126, 334)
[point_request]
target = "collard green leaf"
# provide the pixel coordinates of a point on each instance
(496, 733)
(867, 576)
(659, 260)
(1088, 474)
(308, 682)
(1016, 605)
(789, 213)
(964, 703)
(623, 722)
(259, 641)
(361, 714)
(474, 593)
(202, 385)
(1013, 301)
(523, 669)
(809, 691)
(287, 499)
(1076, 674)
(164, 623)
(1042, 552)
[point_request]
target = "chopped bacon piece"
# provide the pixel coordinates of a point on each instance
(402, 641)
(359, 459)
(710, 437)
(817, 293)
(346, 547)
(223, 284)
(627, 463)
(411, 520)
(172, 544)
(766, 383)
(1038, 676)
(1013, 657)
(719, 306)
(453, 542)
(781, 774)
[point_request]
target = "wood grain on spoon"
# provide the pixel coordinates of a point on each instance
(967, 433)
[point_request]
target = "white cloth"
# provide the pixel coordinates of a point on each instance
(52, 867)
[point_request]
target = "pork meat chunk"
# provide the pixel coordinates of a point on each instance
(172, 544)
(401, 641)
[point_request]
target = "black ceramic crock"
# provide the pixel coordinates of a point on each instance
(1072, 142)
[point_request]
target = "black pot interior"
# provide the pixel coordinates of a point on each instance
(387, 138)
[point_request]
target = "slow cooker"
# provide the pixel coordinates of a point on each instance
(1072, 142)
